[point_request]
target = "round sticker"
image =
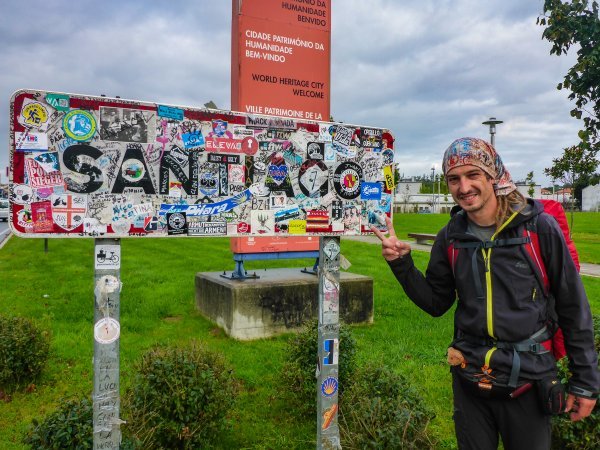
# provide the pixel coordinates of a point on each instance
(133, 170)
(79, 125)
(329, 387)
(249, 145)
(107, 330)
(346, 180)
(177, 221)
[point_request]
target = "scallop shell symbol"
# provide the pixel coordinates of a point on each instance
(329, 386)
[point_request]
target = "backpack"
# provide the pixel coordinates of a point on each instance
(531, 245)
(555, 209)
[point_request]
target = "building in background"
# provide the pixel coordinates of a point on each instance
(408, 199)
(523, 188)
(590, 198)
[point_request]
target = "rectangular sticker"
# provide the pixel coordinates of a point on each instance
(330, 352)
(58, 101)
(170, 112)
(31, 142)
(198, 227)
(108, 257)
(370, 191)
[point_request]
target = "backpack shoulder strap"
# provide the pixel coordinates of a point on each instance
(532, 248)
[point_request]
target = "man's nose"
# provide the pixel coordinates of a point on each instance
(464, 184)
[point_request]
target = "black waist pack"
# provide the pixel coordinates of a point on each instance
(552, 395)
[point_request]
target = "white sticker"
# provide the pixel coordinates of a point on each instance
(108, 284)
(31, 142)
(108, 256)
(331, 249)
(107, 330)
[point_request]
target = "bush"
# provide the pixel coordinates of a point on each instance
(298, 373)
(583, 434)
(70, 426)
(180, 397)
(380, 410)
(23, 351)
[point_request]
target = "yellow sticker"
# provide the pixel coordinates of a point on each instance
(35, 115)
(297, 227)
(388, 174)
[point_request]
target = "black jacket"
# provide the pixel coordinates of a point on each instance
(507, 303)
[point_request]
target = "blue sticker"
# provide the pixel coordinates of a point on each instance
(330, 348)
(329, 387)
(370, 191)
(170, 112)
(192, 140)
(278, 173)
(79, 125)
(208, 209)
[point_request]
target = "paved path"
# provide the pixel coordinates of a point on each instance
(591, 270)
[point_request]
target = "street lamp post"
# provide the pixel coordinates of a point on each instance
(433, 188)
(492, 122)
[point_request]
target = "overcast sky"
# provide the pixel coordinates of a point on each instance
(430, 70)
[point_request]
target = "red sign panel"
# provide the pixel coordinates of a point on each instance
(281, 58)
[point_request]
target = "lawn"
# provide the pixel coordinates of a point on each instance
(158, 306)
(585, 232)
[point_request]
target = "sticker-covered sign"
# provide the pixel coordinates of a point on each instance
(86, 166)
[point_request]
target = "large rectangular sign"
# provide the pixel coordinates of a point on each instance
(85, 166)
(280, 58)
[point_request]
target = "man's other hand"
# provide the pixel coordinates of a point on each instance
(579, 407)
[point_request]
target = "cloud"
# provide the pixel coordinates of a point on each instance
(430, 70)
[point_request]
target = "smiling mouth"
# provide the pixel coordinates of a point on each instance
(468, 197)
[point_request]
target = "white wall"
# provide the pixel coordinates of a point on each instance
(590, 198)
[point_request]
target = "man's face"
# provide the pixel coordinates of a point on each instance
(471, 188)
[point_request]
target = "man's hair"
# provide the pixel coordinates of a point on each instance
(508, 204)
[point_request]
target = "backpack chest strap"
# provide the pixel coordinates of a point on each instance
(486, 245)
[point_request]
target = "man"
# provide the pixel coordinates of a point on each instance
(502, 317)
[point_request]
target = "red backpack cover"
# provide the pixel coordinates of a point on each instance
(555, 209)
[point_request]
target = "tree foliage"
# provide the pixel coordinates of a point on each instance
(575, 164)
(530, 184)
(576, 23)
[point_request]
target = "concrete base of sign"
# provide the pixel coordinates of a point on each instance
(280, 301)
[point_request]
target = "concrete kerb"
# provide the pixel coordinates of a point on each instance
(4, 238)
(590, 270)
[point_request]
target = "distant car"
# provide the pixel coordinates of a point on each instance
(4, 210)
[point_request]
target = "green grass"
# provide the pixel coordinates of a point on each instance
(585, 232)
(158, 306)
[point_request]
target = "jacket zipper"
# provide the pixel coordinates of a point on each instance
(487, 257)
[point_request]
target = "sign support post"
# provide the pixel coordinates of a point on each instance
(328, 435)
(106, 398)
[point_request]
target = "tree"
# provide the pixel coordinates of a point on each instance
(575, 163)
(570, 23)
(530, 183)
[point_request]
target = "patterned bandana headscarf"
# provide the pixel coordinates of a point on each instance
(478, 153)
